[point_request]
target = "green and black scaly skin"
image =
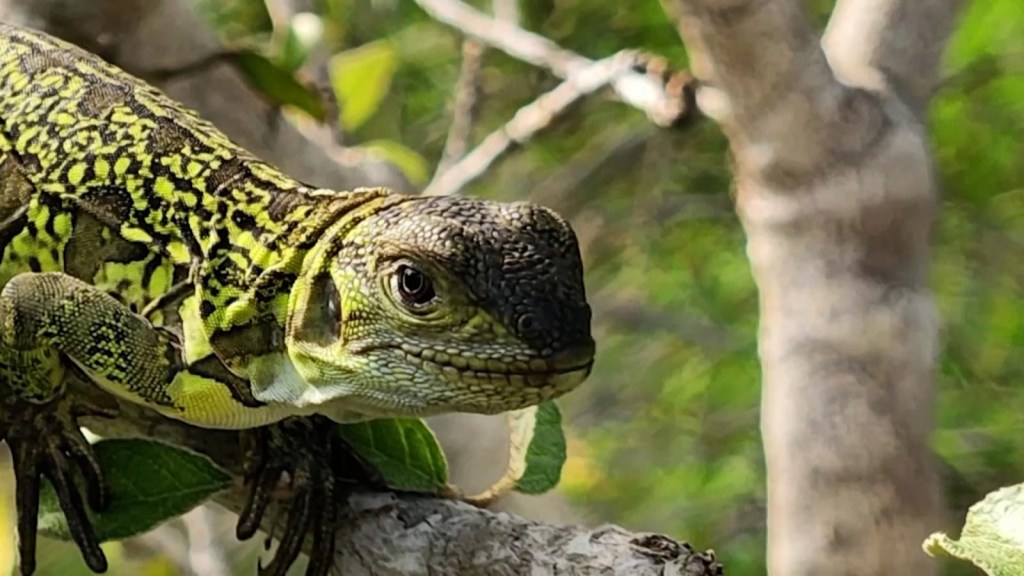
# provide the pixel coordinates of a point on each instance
(144, 251)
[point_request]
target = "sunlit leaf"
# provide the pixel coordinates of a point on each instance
(544, 452)
(536, 453)
(413, 166)
(993, 535)
(361, 78)
(404, 451)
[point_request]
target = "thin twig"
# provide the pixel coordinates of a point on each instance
(529, 120)
(639, 90)
(464, 105)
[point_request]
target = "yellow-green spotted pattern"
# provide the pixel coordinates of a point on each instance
(104, 178)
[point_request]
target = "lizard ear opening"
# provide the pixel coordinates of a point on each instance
(318, 321)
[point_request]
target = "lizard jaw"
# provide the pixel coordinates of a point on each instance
(558, 375)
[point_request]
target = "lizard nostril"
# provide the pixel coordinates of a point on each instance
(526, 323)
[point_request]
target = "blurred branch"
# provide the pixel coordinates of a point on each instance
(758, 59)
(638, 317)
(639, 90)
(463, 106)
(837, 194)
(506, 10)
(166, 541)
(199, 542)
(205, 554)
(529, 120)
(895, 44)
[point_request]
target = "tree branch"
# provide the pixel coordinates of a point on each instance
(527, 121)
(384, 534)
(894, 44)
(463, 105)
(763, 77)
(638, 90)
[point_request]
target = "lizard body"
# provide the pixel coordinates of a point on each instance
(142, 247)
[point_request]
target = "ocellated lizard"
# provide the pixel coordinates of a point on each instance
(146, 253)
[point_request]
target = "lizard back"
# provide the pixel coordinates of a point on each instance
(105, 178)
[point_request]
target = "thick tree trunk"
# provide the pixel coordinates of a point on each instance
(836, 191)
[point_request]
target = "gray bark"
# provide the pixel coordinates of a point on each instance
(384, 534)
(836, 192)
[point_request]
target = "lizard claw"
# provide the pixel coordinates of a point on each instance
(309, 451)
(45, 441)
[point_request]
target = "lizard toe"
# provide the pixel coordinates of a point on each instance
(46, 441)
(303, 458)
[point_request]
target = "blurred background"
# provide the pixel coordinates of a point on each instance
(664, 436)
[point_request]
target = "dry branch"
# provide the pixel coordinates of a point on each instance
(463, 105)
(638, 90)
(527, 121)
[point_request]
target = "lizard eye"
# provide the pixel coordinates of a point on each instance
(415, 288)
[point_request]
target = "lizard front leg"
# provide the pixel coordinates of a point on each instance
(46, 315)
(39, 422)
(46, 318)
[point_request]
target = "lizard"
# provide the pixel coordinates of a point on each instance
(143, 252)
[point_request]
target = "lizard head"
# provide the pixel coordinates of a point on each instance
(433, 305)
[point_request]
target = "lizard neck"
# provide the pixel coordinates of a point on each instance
(245, 322)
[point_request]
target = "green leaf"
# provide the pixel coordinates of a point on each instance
(278, 84)
(150, 482)
(535, 456)
(414, 166)
(544, 452)
(361, 78)
(404, 451)
(993, 535)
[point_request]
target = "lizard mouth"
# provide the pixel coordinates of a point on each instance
(561, 371)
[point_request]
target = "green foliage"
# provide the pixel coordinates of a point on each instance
(302, 35)
(361, 78)
(236, 20)
(278, 84)
(544, 454)
(405, 453)
(150, 482)
(412, 165)
(992, 537)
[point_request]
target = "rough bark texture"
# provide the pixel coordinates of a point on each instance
(385, 534)
(836, 192)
